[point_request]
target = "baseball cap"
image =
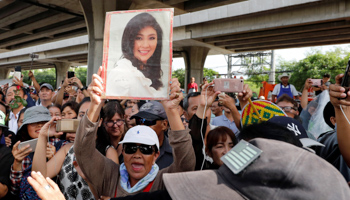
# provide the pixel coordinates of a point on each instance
(152, 110)
(49, 86)
(141, 134)
(283, 171)
(296, 127)
(2, 119)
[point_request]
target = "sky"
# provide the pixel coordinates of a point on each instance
(219, 63)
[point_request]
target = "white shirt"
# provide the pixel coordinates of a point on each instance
(125, 80)
(277, 88)
(13, 122)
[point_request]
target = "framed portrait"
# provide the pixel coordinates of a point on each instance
(137, 54)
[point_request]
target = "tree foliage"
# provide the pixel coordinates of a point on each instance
(49, 75)
(315, 65)
(180, 75)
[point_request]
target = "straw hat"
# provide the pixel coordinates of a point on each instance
(284, 75)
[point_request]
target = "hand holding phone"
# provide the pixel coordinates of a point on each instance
(316, 82)
(346, 79)
(17, 73)
(32, 143)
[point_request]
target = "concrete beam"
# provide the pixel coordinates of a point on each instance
(271, 45)
(4, 73)
(319, 27)
(21, 15)
(38, 24)
(94, 12)
(194, 62)
(307, 14)
(50, 32)
(283, 38)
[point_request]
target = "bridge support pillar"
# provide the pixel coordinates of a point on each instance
(4, 73)
(194, 62)
(94, 13)
(61, 70)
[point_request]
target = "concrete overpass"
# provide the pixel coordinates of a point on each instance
(236, 26)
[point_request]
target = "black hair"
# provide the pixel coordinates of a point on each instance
(152, 69)
(54, 105)
(73, 105)
(6, 107)
(186, 99)
(3, 96)
(269, 130)
(86, 99)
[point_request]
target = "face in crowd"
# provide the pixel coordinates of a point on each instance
(139, 163)
(45, 94)
(55, 111)
(288, 108)
(285, 80)
(115, 125)
(10, 94)
(145, 44)
(219, 141)
(69, 113)
(216, 109)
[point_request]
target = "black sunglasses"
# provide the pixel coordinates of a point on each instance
(142, 121)
(131, 148)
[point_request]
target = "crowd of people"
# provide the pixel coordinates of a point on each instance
(169, 149)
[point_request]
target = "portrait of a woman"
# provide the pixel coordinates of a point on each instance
(138, 72)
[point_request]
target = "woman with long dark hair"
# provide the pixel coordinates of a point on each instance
(138, 73)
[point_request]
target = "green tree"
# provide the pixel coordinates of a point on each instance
(42, 76)
(81, 73)
(180, 75)
(315, 65)
(210, 74)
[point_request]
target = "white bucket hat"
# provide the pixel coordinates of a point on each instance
(284, 75)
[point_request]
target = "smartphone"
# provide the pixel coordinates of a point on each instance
(17, 72)
(70, 74)
(316, 82)
(228, 85)
(67, 125)
(346, 79)
(32, 144)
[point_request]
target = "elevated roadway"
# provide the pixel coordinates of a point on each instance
(225, 27)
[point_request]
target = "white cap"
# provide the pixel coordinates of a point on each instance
(141, 134)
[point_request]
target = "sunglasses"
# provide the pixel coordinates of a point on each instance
(131, 148)
(141, 121)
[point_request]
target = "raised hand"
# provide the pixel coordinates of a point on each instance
(175, 95)
(245, 95)
(49, 128)
(50, 151)
(45, 188)
(18, 81)
(337, 93)
(208, 95)
(95, 88)
(8, 141)
(308, 84)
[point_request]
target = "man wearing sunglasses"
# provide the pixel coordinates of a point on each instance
(152, 114)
